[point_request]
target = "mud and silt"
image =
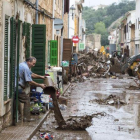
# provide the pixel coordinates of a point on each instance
(72, 123)
(80, 122)
(117, 123)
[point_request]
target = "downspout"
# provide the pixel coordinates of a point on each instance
(68, 24)
(53, 20)
(62, 32)
(68, 17)
(36, 12)
(62, 44)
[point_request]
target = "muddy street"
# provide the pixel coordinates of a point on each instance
(112, 104)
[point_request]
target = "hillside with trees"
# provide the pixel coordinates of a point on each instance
(98, 21)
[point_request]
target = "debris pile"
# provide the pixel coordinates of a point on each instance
(111, 100)
(80, 122)
(93, 64)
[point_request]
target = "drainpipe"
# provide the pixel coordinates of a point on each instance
(36, 12)
(53, 20)
(62, 32)
(68, 24)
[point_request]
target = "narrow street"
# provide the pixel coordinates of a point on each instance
(70, 70)
(113, 117)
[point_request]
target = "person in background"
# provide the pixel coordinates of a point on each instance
(24, 83)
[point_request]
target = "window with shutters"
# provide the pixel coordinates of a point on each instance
(53, 52)
(6, 59)
(38, 49)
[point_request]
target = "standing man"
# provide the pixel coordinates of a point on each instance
(25, 80)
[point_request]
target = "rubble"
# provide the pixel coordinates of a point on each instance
(134, 88)
(111, 100)
(93, 64)
(80, 122)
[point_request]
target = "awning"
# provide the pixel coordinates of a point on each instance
(58, 24)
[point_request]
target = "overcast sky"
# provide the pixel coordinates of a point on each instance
(98, 2)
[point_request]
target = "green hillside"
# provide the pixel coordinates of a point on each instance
(98, 21)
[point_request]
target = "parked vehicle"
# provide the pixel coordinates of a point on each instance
(130, 65)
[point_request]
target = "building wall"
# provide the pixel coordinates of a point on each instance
(89, 41)
(72, 20)
(97, 41)
(132, 51)
(48, 6)
(93, 41)
(129, 34)
(137, 28)
(58, 14)
(4, 106)
(65, 22)
(58, 9)
(25, 13)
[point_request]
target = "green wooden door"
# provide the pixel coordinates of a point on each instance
(53, 52)
(38, 49)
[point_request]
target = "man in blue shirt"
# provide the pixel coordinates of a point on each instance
(25, 80)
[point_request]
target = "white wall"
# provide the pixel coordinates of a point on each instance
(6, 5)
(25, 14)
(71, 20)
(113, 34)
(137, 26)
(131, 17)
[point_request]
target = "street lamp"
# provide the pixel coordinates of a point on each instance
(72, 8)
(130, 23)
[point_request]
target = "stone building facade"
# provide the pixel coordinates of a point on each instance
(93, 41)
(24, 15)
(21, 11)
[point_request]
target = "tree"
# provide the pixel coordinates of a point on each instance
(100, 29)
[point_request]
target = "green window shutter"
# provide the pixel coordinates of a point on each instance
(38, 49)
(53, 52)
(6, 58)
(24, 29)
(28, 40)
(12, 55)
(26, 33)
(48, 52)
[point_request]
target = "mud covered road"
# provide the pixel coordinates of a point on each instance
(113, 104)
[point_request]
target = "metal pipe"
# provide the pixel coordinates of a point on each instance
(34, 7)
(62, 32)
(36, 12)
(68, 24)
(53, 21)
